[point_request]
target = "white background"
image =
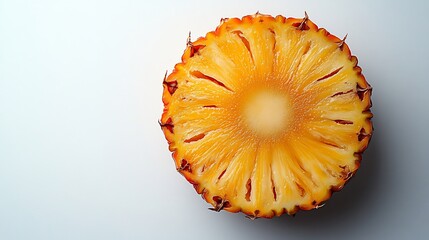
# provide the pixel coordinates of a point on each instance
(82, 155)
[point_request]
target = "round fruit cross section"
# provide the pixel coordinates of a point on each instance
(267, 115)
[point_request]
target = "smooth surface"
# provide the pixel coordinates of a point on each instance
(82, 155)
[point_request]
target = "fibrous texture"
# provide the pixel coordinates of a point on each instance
(267, 115)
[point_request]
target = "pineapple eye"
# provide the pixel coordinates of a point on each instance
(267, 115)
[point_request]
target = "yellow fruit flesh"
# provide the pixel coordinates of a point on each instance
(266, 116)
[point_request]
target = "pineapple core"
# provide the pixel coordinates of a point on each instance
(267, 113)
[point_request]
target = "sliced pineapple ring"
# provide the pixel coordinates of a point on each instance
(267, 115)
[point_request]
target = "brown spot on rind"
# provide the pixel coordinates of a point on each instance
(257, 212)
(345, 173)
(220, 204)
(362, 134)
(336, 189)
(274, 212)
(184, 166)
(171, 85)
(168, 124)
(197, 188)
(217, 199)
(303, 24)
(348, 176)
(362, 91)
(195, 49)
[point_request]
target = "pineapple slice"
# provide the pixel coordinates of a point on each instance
(267, 115)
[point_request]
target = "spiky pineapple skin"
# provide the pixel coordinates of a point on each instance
(167, 122)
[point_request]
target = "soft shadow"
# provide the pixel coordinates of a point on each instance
(345, 208)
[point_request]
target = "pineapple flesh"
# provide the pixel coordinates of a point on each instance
(267, 115)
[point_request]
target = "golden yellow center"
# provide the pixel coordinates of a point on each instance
(267, 113)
